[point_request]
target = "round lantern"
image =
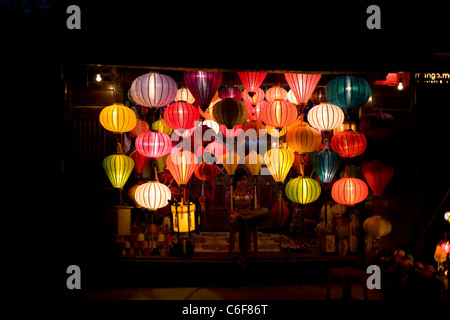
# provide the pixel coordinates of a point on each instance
(181, 115)
(152, 195)
(183, 94)
(302, 85)
(231, 92)
(153, 90)
(303, 190)
(349, 191)
(303, 139)
(326, 162)
(325, 116)
(253, 98)
(276, 93)
(257, 128)
(153, 144)
(206, 172)
(279, 161)
(181, 165)
(318, 96)
(252, 80)
(118, 118)
(141, 127)
(279, 114)
(254, 111)
(377, 125)
(377, 226)
(203, 85)
(118, 168)
(348, 143)
(348, 91)
(230, 112)
(161, 126)
(377, 175)
(131, 193)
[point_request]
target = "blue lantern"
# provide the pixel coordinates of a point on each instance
(326, 162)
(348, 91)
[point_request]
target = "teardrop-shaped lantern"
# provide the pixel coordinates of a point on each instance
(181, 165)
(230, 112)
(118, 118)
(348, 91)
(377, 175)
(152, 195)
(279, 161)
(325, 117)
(230, 161)
(181, 115)
(252, 80)
(139, 161)
(349, 191)
(349, 143)
(254, 161)
(118, 168)
(279, 212)
(326, 163)
(302, 85)
(303, 139)
(303, 190)
(279, 114)
(153, 144)
(203, 85)
(153, 90)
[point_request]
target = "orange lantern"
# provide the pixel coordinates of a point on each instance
(279, 161)
(230, 161)
(253, 161)
(141, 127)
(349, 191)
(181, 165)
(118, 118)
(303, 139)
(349, 143)
(279, 113)
(276, 93)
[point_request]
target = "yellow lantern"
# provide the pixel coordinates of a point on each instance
(303, 190)
(118, 168)
(118, 118)
(377, 226)
(304, 139)
(253, 162)
(230, 161)
(183, 215)
(279, 161)
(161, 126)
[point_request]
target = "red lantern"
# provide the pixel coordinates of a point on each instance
(206, 172)
(139, 161)
(153, 144)
(377, 125)
(254, 111)
(181, 115)
(377, 175)
(349, 143)
(233, 132)
(279, 114)
(349, 191)
(252, 80)
(279, 212)
(254, 97)
(141, 127)
(302, 85)
(230, 92)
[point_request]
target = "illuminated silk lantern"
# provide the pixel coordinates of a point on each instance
(231, 92)
(118, 168)
(230, 112)
(280, 211)
(377, 125)
(203, 86)
(152, 195)
(279, 114)
(206, 172)
(139, 161)
(233, 132)
(303, 190)
(303, 139)
(183, 216)
(161, 126)
(302, 85)
(254, 161)
(326, 163)
(118, 118)
(325, 117)
(377, 226)
(252, 80)
(279, 161)
(276, 93)
(254, 111)
(348, 91)
(230, 161)
(161, 163)
(141, 127)
(349, 191)
(131, 193)
(181, 115)
(183, 94)
(153, 90)
(349, 143)
(181, 165)
(256, 126)
(377, 175)
(291, 97)
(153, 144)
(212, 125)
(253, 98)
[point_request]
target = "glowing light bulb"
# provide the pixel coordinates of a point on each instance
(99, 77)
(400, 84)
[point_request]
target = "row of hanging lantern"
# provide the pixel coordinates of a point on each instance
(155, 90)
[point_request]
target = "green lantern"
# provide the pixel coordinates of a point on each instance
(118, 168)
(303, 190)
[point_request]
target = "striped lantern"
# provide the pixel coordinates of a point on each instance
(276, 93)
(231, 92)
(206, 172)
(279, 114)
(252, 80)
(118, 118)
(257, 126)
(255, 97)
(348, 91)
(181, 115)
(326, 163)
(230, 112)
(153, 144)
(254, 111)
(118, 168)
(303, 190)
(349, 143)
(161, 126)
(183, 94)
(349, 191)
(325, 117)
(254, 161)
(302, 85)
(279, 161)
(139, 161)
(152, 195)
(303, 139)
(181, 165)
(153, 90)
(203, 85)
(141, 127)
(377, 175)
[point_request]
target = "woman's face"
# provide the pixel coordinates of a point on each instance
(242, 183)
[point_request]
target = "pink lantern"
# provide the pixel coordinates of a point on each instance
(231, 92)
(279, 114)
(153, 144)
(203, 86)
(254, 111)
(181, 115)
(233, 132)
(302, 85)
(276, 93)
(153, 90)
(254, 97)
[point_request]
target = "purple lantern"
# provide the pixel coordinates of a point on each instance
(230, 92)
(203, 85)
(153, 90)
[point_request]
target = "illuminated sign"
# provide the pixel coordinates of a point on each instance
(432, 78)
